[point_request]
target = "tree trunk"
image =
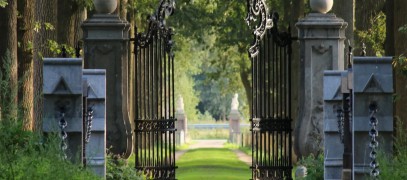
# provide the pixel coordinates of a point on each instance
(400, 45)
(45, 11)
(345, 9)
(298, 12)
(245, 76)
(8, 42)
(389, 43)
(123, 9)
(70, 18)
(25, 58)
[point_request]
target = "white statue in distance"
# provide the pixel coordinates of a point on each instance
(180, 103)
(235, 102)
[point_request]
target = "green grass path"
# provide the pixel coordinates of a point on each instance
(211, 164)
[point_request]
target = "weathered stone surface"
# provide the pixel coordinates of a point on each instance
(234, 126)
(333, 147)
(62, 91)
(373, 83)
(106, 42)
(322, 48)
(96, 93)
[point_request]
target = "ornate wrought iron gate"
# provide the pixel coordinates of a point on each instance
(154, 97)
(271, 91)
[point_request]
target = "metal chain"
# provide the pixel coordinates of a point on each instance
(373, 133)
(64, 136)
(339, 115)
(89, 119)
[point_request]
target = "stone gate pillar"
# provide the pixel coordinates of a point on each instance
(106, 46)
(321, 48)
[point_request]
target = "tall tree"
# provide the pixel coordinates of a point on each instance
(25, 58)
(346, 9)
(71, 14)
(8, 43)
(46, 12)
(400, 47)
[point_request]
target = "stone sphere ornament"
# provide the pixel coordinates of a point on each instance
(321, 6)
(105, 6)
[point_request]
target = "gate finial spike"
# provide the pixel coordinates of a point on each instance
(363, 49)
(350, 55)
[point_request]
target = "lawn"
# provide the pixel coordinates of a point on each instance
(213, 164)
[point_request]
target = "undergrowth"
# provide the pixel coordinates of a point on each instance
(25, 154)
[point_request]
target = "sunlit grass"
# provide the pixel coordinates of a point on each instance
(213, 164)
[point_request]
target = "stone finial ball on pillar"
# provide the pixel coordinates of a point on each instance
(105, 6)
(321, 6)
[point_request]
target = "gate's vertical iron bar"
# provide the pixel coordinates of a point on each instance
(285, 109)
(261, 78)
(149, 104)
(289, 99)
(155, 132)
(165, 108)
(162, 80)
(84, 118)
(271, 77)
(173, 110)
(136, 86)
(266, 52)
(144, 134)
(281, 94)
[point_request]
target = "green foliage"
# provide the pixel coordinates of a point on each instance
(205, 117)
(314, 165)
(119, 168)
(400, 64)
(208, 133)
(88, 4)
(376, 35)
(57, 48)
(25, 154)
(3, 3)
(184, 70)
(394, 166)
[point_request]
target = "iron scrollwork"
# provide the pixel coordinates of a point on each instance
(258, 8)
(157, 24)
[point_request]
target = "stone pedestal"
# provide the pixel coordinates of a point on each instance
(333, 147)
(106, 46)
(181, 125)
(67, 90)
(96, 98)
(234, 127)
(62, 91)
(321, 48)
(372, 83)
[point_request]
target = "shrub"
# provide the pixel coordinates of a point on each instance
(119, 168)
(394, 167)
(314, 165)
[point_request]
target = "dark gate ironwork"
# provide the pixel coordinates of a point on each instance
(270, 55)
(154, 97)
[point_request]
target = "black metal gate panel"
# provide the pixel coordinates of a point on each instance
(154, 97)
(270, 55)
